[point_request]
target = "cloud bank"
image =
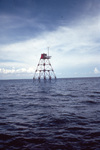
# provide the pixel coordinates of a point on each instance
(96, 71)
(18, 71)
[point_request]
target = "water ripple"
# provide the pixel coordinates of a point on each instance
(59, 115)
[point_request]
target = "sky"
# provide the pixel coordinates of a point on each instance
(70, 28)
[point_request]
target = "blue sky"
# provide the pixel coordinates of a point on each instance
(70, 28)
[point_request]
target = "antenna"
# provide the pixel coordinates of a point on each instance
(48, 51)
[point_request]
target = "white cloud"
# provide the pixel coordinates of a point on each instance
(96, 71)
(18, 71)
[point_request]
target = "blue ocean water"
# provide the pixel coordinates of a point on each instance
(62, 114)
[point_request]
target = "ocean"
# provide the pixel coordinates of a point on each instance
(62, 114)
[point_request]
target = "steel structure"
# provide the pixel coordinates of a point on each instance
(44, 69)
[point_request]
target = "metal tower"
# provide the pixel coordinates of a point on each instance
(44, 69)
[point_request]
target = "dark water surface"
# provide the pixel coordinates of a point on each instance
(60, 115)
